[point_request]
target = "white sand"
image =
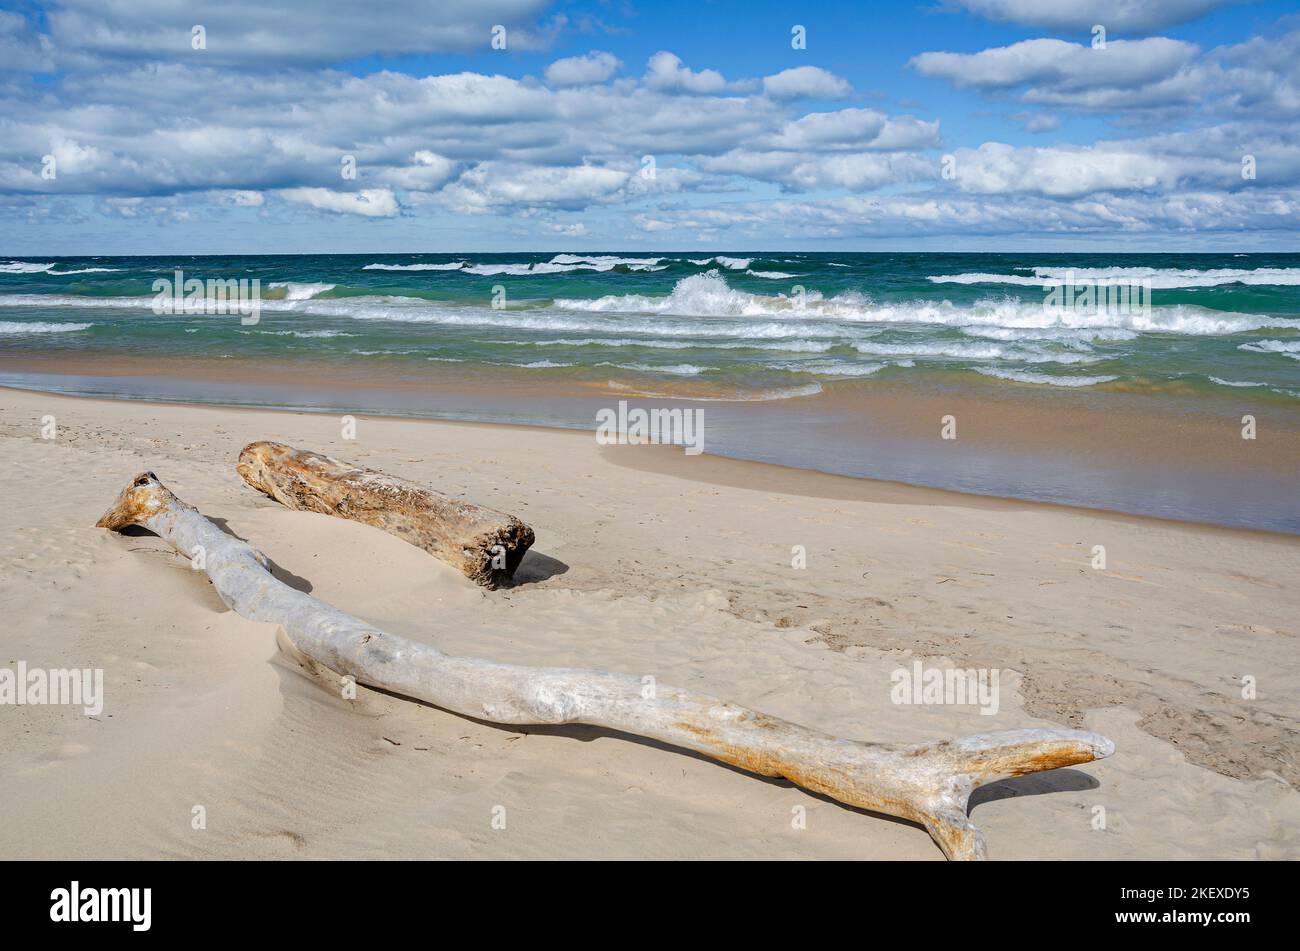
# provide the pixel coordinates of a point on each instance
(683, 574)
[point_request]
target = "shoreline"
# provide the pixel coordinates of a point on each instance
(733, 472)
(1106, 452)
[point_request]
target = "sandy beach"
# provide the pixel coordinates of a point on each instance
(650, 562)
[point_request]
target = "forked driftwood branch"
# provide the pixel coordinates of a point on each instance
(484, 544)
(928, 784)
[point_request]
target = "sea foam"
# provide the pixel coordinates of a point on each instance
(1161, 278)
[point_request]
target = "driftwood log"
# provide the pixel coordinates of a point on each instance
(484, 544)
(928, 784)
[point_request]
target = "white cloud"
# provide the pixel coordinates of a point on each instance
(995, 169)
(855, 128)
(803, 172)
(324, 31)
(1205, 160)
(1260, 77)
(810, 82)
(595, 67)
(426, 171)
(922, 215)
(498, 186)
(665, 71)
(1115, 15)
(1056, 62)
(368, 202)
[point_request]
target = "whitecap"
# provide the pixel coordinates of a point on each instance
(679, 369)
(1244, 383)
(15, 327)
(301, 291)
(1285, 348)
(1022, 376)
(1159, 278)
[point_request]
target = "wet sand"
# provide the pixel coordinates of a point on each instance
(1173, 456)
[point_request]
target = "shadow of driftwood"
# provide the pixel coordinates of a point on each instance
(587, 734)
(296, 582)
(536, 567)
(1039, 784)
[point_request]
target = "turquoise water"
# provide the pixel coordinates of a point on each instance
(769, 326)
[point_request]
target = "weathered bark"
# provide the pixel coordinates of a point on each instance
(484, 544)
(929, 784)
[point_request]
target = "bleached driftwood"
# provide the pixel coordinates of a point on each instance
(928, 784)
(484, 544)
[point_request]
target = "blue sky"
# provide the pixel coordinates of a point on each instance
(964, 125)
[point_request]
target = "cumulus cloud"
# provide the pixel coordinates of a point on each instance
(595, 67)
(796, 171)
(811, 82)
(1135, 15)
(325, 31)
(856, 129)
(368, 202)
(1260, 76)
(496, 186)
(1124, 74)
(925, 215)
(995, 169)
(1207, 159)
(665, 71)
(425, 172)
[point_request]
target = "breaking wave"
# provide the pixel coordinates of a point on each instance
(1287, 349)
(36, 327)
(294, 291)
(1043, 379)
(1164, 278)
(709, 295)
